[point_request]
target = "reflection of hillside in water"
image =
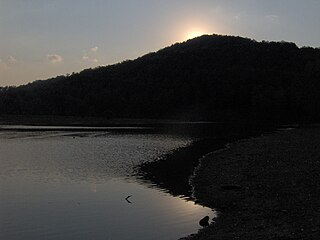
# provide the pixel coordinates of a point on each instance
(80, 156)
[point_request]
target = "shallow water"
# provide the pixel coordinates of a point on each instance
(74, 185)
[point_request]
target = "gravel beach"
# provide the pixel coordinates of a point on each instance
(266, 187)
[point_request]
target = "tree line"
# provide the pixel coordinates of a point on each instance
(212, 77)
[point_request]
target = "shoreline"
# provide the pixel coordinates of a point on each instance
(266, 187)
(173, 171)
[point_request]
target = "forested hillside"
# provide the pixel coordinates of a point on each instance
(211, 77)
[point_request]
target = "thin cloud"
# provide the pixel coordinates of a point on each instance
(88, 59)
(90, 55)
(12, 59)
(54, 58)
(94, 49)
(272, 17)
(85, 58)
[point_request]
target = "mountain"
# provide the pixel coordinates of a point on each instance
(211, 77)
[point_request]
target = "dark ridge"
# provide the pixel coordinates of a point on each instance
(211, 77)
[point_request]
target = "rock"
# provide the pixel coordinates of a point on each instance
(204, 222)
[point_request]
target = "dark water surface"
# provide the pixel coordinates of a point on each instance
(73, 185)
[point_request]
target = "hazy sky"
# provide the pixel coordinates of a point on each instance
(44, 38)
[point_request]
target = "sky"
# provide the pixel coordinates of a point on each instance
(40, 39)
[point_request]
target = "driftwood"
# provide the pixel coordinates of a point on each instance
(127, 199)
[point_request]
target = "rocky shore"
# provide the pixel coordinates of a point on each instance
(266, 187)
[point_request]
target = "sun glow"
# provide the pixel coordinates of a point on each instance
(194, 34)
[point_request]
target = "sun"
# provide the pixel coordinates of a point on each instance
(194, 34)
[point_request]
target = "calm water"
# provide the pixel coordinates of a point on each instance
(73, 185)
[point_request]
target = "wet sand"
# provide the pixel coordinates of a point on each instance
(266, 187)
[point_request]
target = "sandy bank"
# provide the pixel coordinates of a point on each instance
(266, 187)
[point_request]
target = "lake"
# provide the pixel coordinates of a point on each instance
(72, 184)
